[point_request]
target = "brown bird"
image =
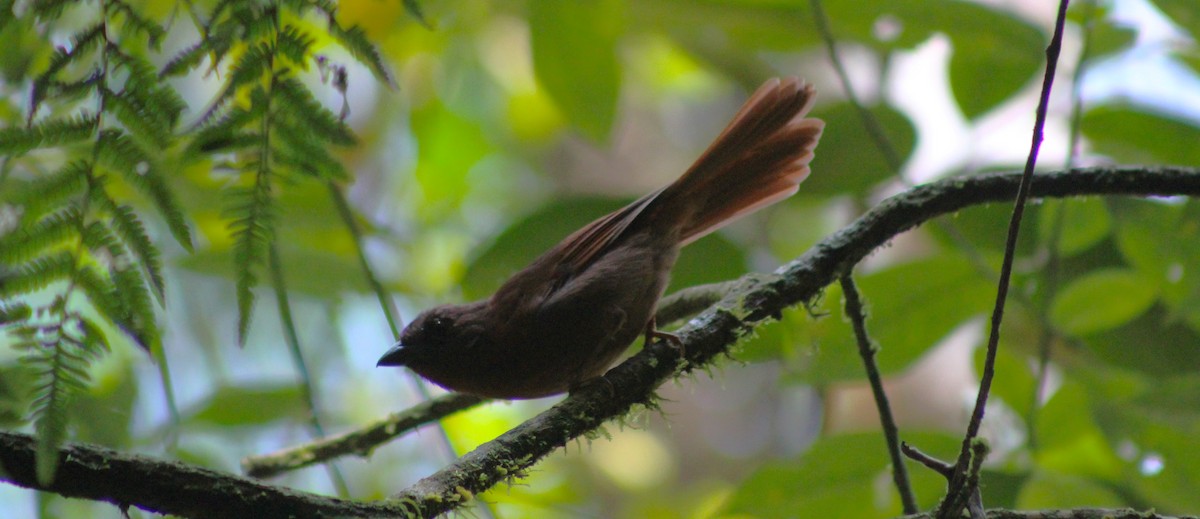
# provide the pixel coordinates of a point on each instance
(563, 320)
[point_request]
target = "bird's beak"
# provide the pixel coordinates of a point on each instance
(397, 356)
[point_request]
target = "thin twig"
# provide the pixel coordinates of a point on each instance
(874, 129)
(1051, 272)
(956, 497)
(858, 318)
(867, 350)
(360, 441)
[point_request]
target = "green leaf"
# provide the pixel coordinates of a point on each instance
(838, 477)
(1162, 242)
(1152, 343)
(1102, 300)
(575, 59)
(1084, 223)
(1047, 490)
(450, 146)
(249, 405)
(1183, 13)
(1069, 440)
(1135, 136)
(995, 54)
(910, 308)
(848, 159)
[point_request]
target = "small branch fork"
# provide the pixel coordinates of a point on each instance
(858, 317)
(963, 486)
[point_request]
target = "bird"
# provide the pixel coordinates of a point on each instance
(562, 321)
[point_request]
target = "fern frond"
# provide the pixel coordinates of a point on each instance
(132, 20)
(131, 231)
(36, 275)
(61, 360)
(294, 44)
(117, 151)
(50, 412)
(26, 243)
(102, 243)
(104, 296)
(355, 41)
(14, 312)
(158, 104)
(253, 228)
(59, 132)
(51, 190)
(297, 151)
(49, 9)
(297, 102)
(68, 91)
(142, 122)
(185, 60)
(253, 65)
(82, 43)
(140, 322)
(132, 234)
(224, 133)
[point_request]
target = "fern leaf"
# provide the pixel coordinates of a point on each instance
(126, 224)
(141, 121)
(68, 91)
(143, 83)
(122, 297)
(294, 44)
(185, 60)
(252, 230)
(50, 423)
(82, 43)
(14, 312)
(136, 22)
(253, 65)
(49, 192)
(104, 295)
(116, 151)
(310, 160)
(24, 244)
(298, 102)
(61, 361)
(49, 9)
(355, 41)
(36, 274)
(16, 141)
(140, 322)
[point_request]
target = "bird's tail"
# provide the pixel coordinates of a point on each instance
(759, 159)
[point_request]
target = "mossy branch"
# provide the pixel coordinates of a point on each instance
(187, 490)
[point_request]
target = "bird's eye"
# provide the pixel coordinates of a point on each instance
(438, 325)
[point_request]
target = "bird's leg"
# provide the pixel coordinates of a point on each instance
(670, 339)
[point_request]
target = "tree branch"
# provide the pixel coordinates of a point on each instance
(186, 490)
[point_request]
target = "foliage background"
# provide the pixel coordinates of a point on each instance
(511, 124)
